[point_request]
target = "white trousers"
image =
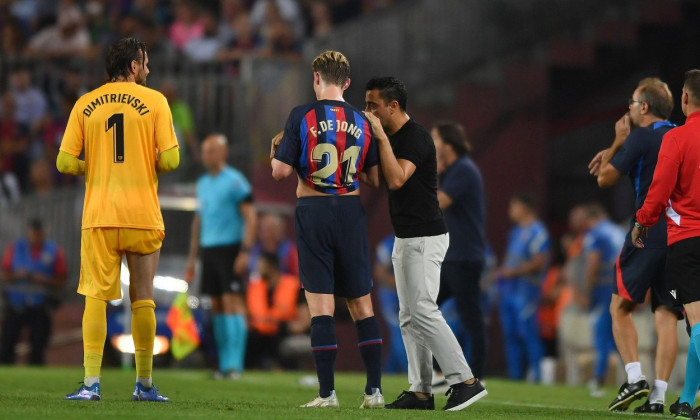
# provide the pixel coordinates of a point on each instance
(425, 333)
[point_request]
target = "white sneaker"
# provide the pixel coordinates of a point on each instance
(329, 401)
(376, 400)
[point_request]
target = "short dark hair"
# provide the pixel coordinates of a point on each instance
(35, 224)
(333, 67)
(657, 95)
(595, 209)
(692, 85)
(526, 199)
(120, 55)
(452, 133)
(390, 89)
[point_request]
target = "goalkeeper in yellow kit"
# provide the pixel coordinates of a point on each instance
(126, 132)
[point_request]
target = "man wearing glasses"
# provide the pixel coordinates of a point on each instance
(634, 152)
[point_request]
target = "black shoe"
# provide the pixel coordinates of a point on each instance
(650, 408)
(673, 408)
(629, 393)
(683, 410)
(463, 395)
(408, 400)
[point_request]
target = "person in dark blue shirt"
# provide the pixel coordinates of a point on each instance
(461, 198)
(634, 152)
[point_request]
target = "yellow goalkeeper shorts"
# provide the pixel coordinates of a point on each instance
(101, 251)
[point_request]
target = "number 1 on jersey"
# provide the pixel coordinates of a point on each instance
(117, 121)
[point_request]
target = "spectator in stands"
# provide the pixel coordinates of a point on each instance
(601, 246)
(67, 38)
(246, 42)
(396, 360)
(12, 40)
(272, 239)
(204, 48)
(33, 269)
(187, 24)
(287, 10)
(30, 101)
(272, 299)
(14, 143)
(520, 281)
(40, 177)
(228, 12)
(320, 18)
(278, 35)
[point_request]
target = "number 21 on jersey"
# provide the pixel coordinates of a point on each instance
(329, 153)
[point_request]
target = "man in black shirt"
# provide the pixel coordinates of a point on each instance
(408, 162)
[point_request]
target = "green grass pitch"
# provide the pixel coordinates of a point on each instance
(37, 393)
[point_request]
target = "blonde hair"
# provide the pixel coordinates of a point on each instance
(333, 67)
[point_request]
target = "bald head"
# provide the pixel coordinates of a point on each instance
(214, 152)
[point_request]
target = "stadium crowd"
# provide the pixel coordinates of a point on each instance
(34, 107)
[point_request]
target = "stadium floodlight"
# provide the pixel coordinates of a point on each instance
(125, 344)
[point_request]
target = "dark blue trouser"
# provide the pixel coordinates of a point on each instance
(460, 280)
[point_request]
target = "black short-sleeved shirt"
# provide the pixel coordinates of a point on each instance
(466, 216)
(637, 158)
(414, 207)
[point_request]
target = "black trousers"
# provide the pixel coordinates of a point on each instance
(38, 318)
(460, 279)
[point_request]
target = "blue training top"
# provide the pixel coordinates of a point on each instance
(606, 238)
(219, 199)
(523, 244)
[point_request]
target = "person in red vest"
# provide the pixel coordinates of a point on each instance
(33, 268)
(273, 300)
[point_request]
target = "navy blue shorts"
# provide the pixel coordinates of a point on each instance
(638, 270)
(333, 248)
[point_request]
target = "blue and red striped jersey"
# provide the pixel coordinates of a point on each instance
(328, 143)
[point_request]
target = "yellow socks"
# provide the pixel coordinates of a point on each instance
(94, 335)
(143, 329)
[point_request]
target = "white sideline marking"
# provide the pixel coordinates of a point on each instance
(555, 407)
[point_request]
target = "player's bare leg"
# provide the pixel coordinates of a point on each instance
(626, 339)
(142, 269)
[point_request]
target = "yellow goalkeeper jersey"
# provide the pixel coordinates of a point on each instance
(121, 126)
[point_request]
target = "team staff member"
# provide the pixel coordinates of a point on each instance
(673, 190)
(409, 165)
(634, 152)
(32, 269)
(330, 145)
(224, 228)
(461, 198)
(126, 131)
(520, 288)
